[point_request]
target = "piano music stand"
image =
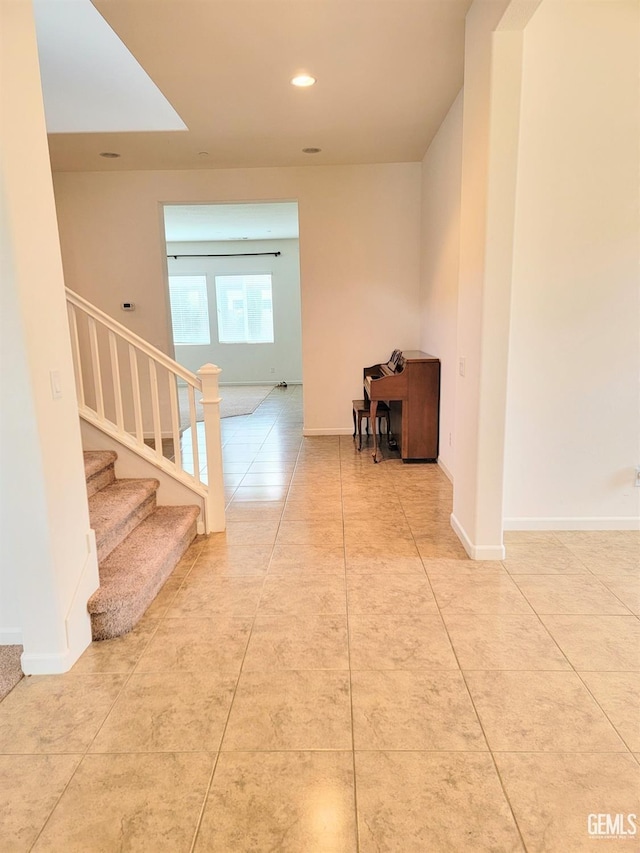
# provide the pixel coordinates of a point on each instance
(362, 411)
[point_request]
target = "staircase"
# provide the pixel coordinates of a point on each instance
(138, 544)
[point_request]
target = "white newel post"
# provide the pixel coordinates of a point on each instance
(208, 375)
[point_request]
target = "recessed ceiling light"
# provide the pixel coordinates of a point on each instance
(110, 155)
(302, 81)
(311, 150)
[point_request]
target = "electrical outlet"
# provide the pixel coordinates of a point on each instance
(462, 366)
(273, 370)
(637, 482)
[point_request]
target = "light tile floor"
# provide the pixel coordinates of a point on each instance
(332, 674)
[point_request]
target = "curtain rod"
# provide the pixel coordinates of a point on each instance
(231, 255)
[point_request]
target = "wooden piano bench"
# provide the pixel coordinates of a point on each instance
(361, 411)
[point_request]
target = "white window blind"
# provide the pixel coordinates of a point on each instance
(189, 309)
(245, 309)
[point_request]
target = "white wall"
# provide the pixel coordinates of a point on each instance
(359, 259)
(441, 184)
(246, 363)
(49, 567)
(573, 427)
(489, 154)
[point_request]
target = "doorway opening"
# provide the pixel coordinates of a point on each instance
(233, 277)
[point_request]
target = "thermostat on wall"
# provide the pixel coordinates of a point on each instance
(128, 306)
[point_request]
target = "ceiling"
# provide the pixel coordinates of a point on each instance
(387, 72)
(209, 222)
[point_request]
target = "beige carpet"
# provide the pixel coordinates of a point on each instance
(10, 671)
(236, 400)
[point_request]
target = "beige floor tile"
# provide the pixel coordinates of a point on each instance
(570, 594)
(626, 588)
(478, 590)
(317, 594)
(310, 533)
(210, 596)
(118, 655)
(609, 561)
(542, 560)
(414, 710)
(440, 802)
(231, 560)
(399, 642)
(289, 802)
(299, 710)
(260, 493)
(553, 795)
(597, 642)
(379, 552)
(251, 532)
(129, 802)
(189, 558)
(56, 713)
(389, 593)
(281, 466)
(600, 538)
(377, 562)
(436, 548)
(31, 786)
(300, 511)
(534, 537)
(618, 694)
(168, 712)
(200, 644)
(540, 712)
(295, 642)
(164, 599)
(259, 511)
(266, 478)
(307, 559)
(503, 642)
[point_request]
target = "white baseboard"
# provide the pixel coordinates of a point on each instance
(445, 471)
(77, 623)
(47, 663)
(575, 523)
(10, 636)
(477, 552)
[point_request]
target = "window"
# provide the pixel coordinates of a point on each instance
(189, 309)
(245, 309)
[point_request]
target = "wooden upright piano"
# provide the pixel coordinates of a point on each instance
(409, 383)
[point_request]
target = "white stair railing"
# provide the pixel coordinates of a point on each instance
(133, 392)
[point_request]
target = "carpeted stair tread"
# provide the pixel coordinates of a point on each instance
(116, 509)
(132, 575)
(99, 469)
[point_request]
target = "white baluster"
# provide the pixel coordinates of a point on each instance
(135, 389)
(175, 420)
(155, 407)
(208, 374)
(95, 363)
(115, 375)
(194, 432)
(75, 348)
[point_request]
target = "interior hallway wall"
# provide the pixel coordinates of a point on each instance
(48, 568)
(440, 243)
(359, 259)
(573, 414)
(247, 363)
